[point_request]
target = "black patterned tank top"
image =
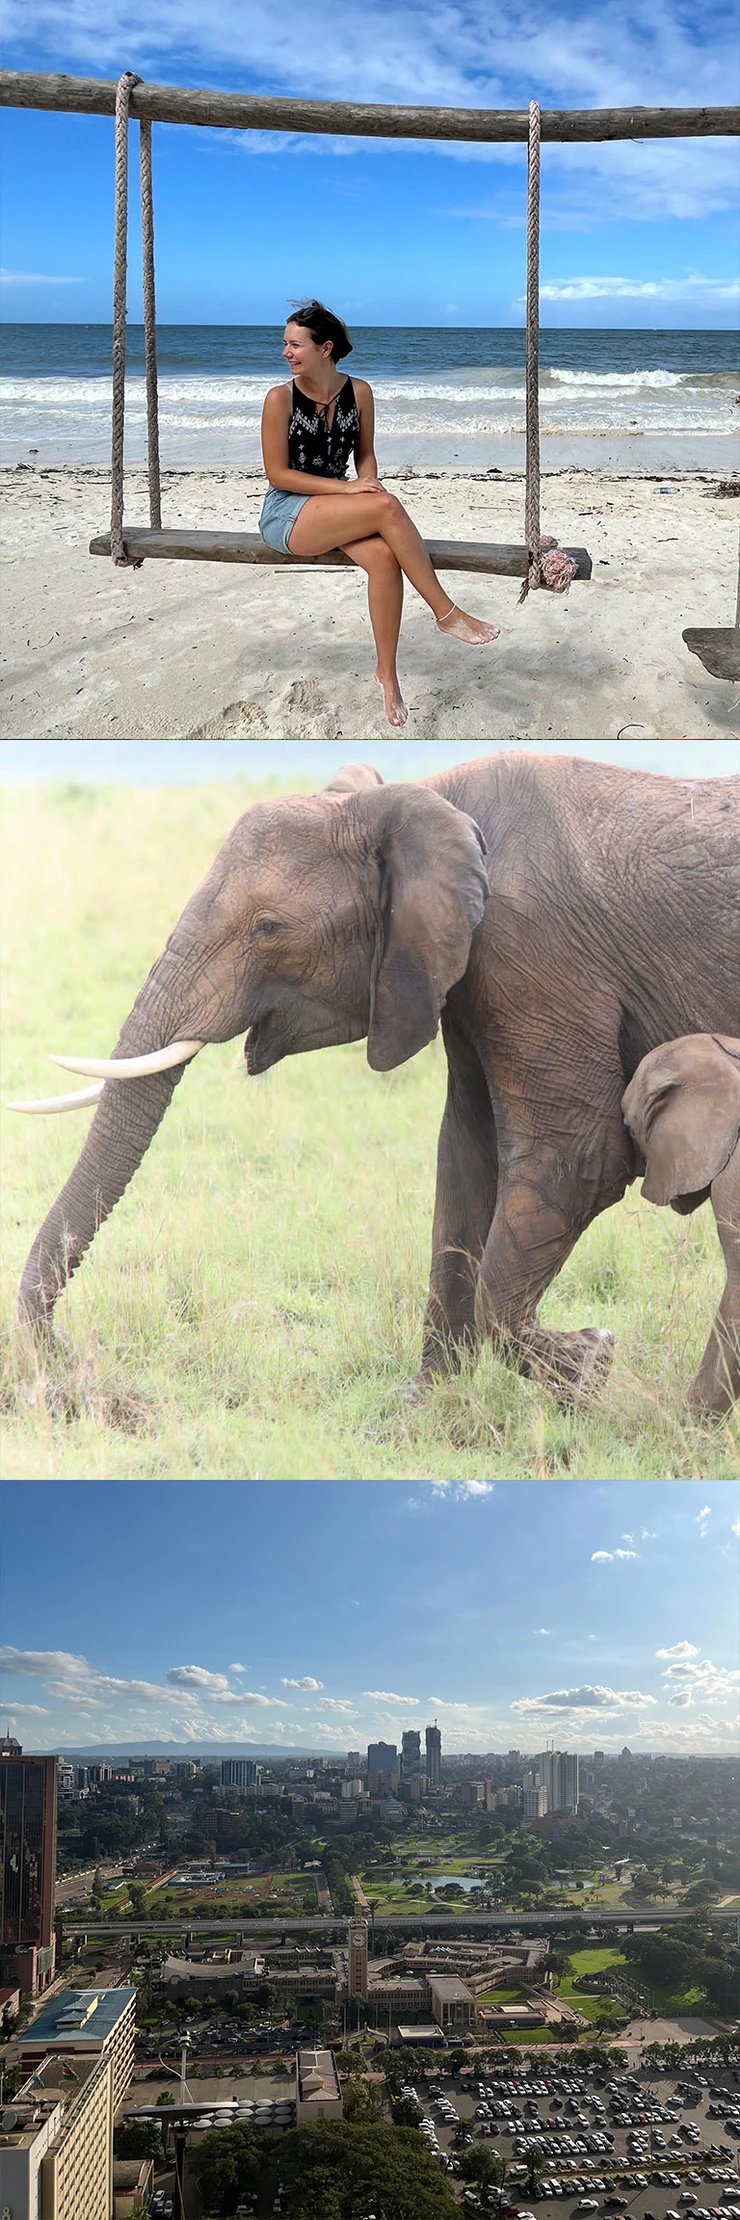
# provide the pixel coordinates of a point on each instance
(315, 445)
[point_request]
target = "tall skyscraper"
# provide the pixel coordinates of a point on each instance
(434, 1755)
(28, 1842)
(410, 1754)
(382, 1757)
(240, 1773)
(558, 1771)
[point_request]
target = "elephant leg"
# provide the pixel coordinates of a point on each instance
(717, 1382)
(543, 1205)
(467, 1168)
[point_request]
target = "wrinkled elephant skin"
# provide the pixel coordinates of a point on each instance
(560, 918)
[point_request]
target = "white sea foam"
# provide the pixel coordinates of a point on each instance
(453, 416)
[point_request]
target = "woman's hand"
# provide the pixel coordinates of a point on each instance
(365, 485)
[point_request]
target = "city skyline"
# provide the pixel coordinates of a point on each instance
(333, 1616)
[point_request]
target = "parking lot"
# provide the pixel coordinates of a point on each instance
(666, 2145)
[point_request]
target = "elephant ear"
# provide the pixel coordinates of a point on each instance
(683, 1107)
(352, 777)
(433, 891)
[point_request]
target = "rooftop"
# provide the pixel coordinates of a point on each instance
(450, 1988)
(81, 2016)
(317, 2077)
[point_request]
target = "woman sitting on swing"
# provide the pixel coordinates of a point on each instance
(310, 430)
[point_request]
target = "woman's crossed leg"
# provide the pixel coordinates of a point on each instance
(374, 529)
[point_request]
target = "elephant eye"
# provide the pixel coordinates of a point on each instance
(267, 927)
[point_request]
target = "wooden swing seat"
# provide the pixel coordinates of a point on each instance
(248, 547)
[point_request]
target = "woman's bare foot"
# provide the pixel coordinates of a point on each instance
(469, 629)
(395, 706)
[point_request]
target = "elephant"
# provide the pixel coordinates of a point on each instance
(559, 918)
(683, 1111)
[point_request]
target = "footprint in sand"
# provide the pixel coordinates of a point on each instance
(236, 721)
(306, 703)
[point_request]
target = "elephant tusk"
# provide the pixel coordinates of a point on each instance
(54, 1103)
(131, 1067)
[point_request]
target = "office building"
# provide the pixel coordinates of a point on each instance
(353, 1761)
(434, 1755)
(382, 1757)
(453, 2003)
(558, 1772)
(56, 2142)
(86, 2023)
(240, 1773)
(535, 1803)
(357, 1955)
(410, 1754)
(28, 1842)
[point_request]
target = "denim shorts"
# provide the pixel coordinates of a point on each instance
(278, 515)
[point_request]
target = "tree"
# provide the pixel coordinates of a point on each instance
(228, 2163)
(362, 2099)
(139, 2139)
(338, 2170)
(405, 2113)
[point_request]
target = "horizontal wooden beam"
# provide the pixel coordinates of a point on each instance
(249, 547)
(221, 111)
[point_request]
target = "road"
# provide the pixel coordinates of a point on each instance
(430, 1923)
(78, 1885)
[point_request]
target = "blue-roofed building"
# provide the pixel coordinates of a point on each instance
(87, 2023)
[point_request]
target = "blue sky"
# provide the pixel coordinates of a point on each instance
(632, 235)
(320, 1614)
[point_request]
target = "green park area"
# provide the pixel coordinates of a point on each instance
(273, 1894)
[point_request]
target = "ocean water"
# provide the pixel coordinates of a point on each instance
(442, 397)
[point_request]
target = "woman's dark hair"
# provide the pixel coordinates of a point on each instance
(323, 325)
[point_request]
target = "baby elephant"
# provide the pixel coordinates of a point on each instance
(683, 1111)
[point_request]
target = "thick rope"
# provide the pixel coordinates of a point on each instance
(150, 325)
(532, 462)
(124, 90)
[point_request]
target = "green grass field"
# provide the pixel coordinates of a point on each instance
(254, 1305)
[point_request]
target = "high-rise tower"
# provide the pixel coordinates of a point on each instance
(434, 1756)
(28, 1841)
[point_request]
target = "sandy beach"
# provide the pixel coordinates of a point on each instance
(193, 650)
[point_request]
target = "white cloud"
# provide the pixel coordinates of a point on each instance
(679, 1649)
(196, 1677)
(237, 1668)
(33, 277)
(334, 1703)
(306, 1682)
(424, 51)
(692, 287)
(629, 1538)
(462, 1491)
(41, 1661)
(386, 1696)
(256, 1700)
(736, 1528)
(28, 1711)
(583, 1699)
(702, 1520)
(608, 1556)
(542, 1630)
(705, 1681)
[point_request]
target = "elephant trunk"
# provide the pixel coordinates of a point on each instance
(126, 1119)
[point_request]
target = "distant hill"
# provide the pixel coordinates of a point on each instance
(104, 1751)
